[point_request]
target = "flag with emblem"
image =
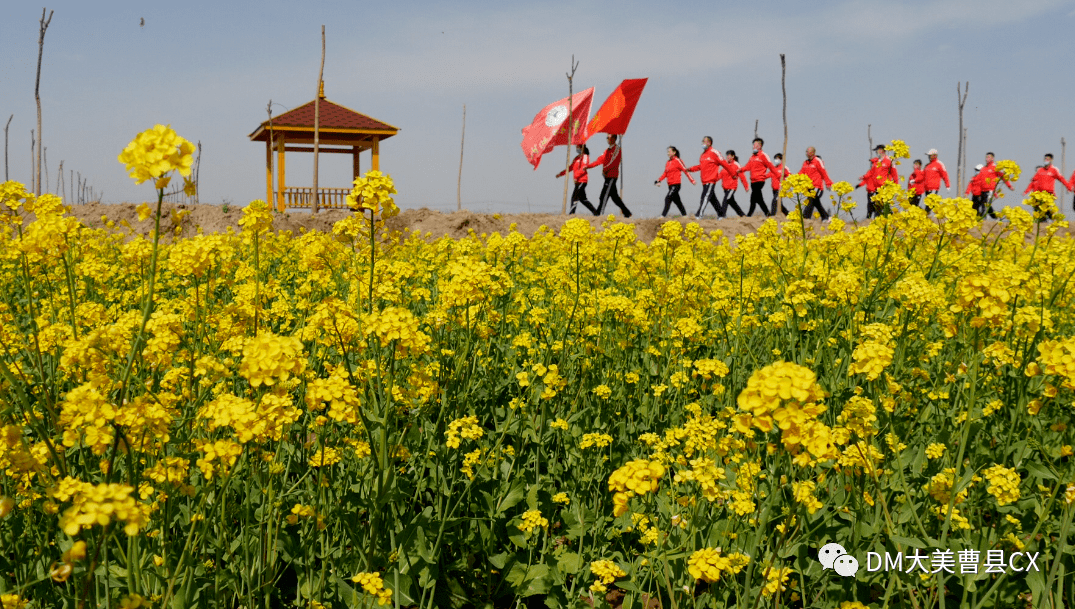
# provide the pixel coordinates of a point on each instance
(549, 128)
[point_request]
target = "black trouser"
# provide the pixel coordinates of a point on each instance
(709, 195)
(915, 199)
(986, 207)
(757, 199)
(813, 203)
(777, 201)
(729, 200)
(673, 197)
(608, 191)
(872, 208)
(579, 196)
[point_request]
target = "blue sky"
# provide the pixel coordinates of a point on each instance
(210, 68)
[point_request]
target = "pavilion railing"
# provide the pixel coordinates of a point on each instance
(303, 197)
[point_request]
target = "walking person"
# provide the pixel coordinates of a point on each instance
(867, 180)
(814, 168)
(578, 172)
(883, 171)
(974, 189)
(671, 173)
(610, 170)
(730, 182)
(990, 184)
(759, 166)
(916, 183)
(1045, 177)
(776, 179)
(935, 172)
(709, 164)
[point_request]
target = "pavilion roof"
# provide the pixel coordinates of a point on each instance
(334, 119)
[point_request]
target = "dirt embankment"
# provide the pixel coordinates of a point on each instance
(217, 218)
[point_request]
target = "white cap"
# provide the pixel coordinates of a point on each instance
(978, 167)
(932, 151)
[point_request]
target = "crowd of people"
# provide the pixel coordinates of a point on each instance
(724, 169)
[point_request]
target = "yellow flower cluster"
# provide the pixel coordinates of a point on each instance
(595, 440)
(786, 395)
(605, 572)
(399, 325)
(804, 494)
(871, 358)
(1057, 358)
(532, 519)
(636, 477)
(465, 428)
(373, 192)
(709, 564)
(99, 505)
(155, 153)
(373, 585)
(269, 359)
(1003, 484)
(257, 217)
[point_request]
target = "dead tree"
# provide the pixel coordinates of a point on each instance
(570, 126)
(459, 182)
(37, 96)
(317, 114)
(755, 128)
(6, 127)
(961, 100)
(784, 154)
(869, 136)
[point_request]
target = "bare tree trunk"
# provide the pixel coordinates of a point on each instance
(784, 90)
(61, 188)
(37, 96)
(963, 165)
(317, 115)
(272, 144)
(570, 125)
(869, 136)
(961, 99)
(33, 144)
(45, 164)
(1063, 171)
(755, 128)
(459, 182)
(197, 173)
(6, 177)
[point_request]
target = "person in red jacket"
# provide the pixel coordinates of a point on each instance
(1045, 177)
(759, 166)
(814, 168)
(671, 173)
(883, 171)
(990, 183)
(610, 169)
(867, 180)
(710, 165)
(578, 171)
(729, 176)
(974, 188)
(776, 179)
(935, 172)
(916, 183)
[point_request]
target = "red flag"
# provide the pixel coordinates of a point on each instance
(549, 128)
(616, 112)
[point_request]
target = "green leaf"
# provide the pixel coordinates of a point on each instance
(514, 496)
(570, 562)
(1040, 471)
(907, 541)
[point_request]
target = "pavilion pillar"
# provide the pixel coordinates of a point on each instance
(376, 166)
(355, 171)
(268, 172)
(280, 179)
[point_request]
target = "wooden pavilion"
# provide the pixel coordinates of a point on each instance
(341, 131)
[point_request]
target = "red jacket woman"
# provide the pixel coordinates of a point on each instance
(672, 169)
